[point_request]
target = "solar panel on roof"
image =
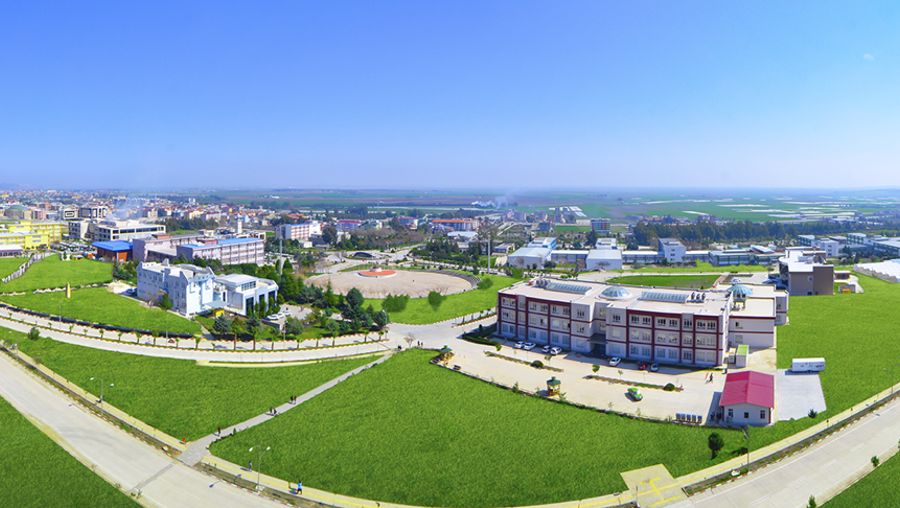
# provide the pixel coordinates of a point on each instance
(660, 296)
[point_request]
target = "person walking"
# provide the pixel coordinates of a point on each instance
(299, 487)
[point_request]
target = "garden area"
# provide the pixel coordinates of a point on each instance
(99, 305)
(35, 469)
(671, 281)
(409, 432)
(53, 272)
(179, 397)
(435, 308)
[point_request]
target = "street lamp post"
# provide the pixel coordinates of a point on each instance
(259, 454)
(100, 380)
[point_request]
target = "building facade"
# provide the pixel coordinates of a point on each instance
(228, 251)
(301, 231)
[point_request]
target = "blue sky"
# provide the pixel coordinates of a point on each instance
(450, 94)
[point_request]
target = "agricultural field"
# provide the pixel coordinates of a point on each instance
(180, 397)
(9, 265)
(672, 281)
(878, 488)
(414, 433)
(38, 472)
(99, 305)
(419, 312)
(52, 272)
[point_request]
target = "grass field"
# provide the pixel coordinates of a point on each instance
(180, 397)
(878, 488)
(409, 432)
(38, 472)
(702, 266)
(857, 336)
(419, 312)
(98, 305)
(673, 281)
(53, 272)
(9, 265)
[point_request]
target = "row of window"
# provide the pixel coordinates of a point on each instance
(686, 323)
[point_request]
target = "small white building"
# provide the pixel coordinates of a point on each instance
(748, 399)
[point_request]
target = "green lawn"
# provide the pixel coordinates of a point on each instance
(37, 472)
(702, 266)
(9, 265)
(674, 281)
(410, 432)
(98, 305)
(180, 397)
(878, 488)
(857, 336)
(419, 312)
(53, 272)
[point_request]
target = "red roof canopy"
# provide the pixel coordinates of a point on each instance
(749, 387)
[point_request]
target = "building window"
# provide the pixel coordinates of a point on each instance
(762, 414)
(645, 320)
(634, 320)
(746, 415)
(730, 413)
(616, 318)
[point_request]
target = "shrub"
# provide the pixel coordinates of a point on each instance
(485, 283)
(812, 502)
(595, 367)
(537, 364)
(669, 387)
(875, 461)
(395, 303)
(813, 413)
(34, 333)
(715, 443)
(435, 299)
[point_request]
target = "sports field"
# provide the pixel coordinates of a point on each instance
(179, 397)
(98, 305)
(418, 311)
(52, 272)
(38, 472)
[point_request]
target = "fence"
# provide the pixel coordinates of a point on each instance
(34, 258)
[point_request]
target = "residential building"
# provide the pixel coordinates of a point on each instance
(455, 224)
(692, 328)
(229, 251)
(161, 246)
(347, 225)
(408, 222)
(79, 229)
(600, 226)
(301, 231)
(30, 234)
(748, 398)
(93, 212)
(195, 290)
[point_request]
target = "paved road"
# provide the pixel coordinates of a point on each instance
(118, 456)
(822, 470)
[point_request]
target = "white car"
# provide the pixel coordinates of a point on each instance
(546, 349)
(615, 360)
(529, 346)
(555, 350)
(519, 345)
(654, 367)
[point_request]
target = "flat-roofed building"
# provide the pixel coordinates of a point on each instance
(300, 231)
(804, 272)
(116, 251)
(455, 224)
(123, 230)
(228, 251)
(656, 325)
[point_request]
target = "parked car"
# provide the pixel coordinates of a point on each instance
(546, 349)
(635, 394)
(555, 350)
(519, 345)
(529, 346)
(615, 360)
(654, 367)
(642, 366)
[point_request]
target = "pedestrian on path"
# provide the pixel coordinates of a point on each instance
(299, 487)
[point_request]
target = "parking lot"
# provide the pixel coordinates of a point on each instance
(797, 393)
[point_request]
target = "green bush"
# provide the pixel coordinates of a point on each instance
(435, 299)
(537, 364)
(395, 303)
(669, 387)
(485, 283)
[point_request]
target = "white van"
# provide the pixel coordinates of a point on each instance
(807, 365)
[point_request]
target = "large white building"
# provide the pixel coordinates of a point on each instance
(229, 251)
(658, 325)
(123, 230)
(301, 231)
(195, 290)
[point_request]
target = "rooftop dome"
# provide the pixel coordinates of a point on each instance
(740, 290)
(616, 292)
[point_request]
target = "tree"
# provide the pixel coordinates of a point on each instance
(237, 328)
(381, 319)
(222, 325)
(812, 502)
(333, 328)
(354, 298)
(715, 443)
(435, 299)
(293, 327)
(34, 333)
(165, 302)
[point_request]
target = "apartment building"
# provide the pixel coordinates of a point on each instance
(229, 251)
(93, 212)
(455, 224)
(692, 328)
(195, 290)
(30, 235)
(301, 231)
